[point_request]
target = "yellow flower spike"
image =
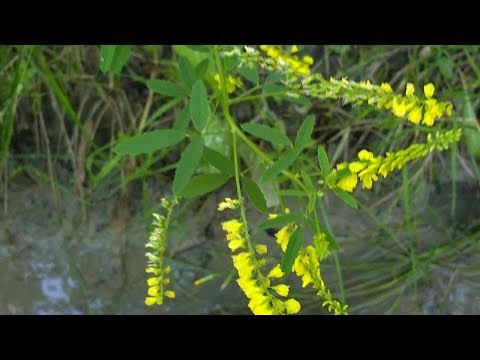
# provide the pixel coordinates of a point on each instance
(281, 289)
(429, 90)
(410, 89)
(292, 306)
(415, 115)
(276, 272)
(261, 249)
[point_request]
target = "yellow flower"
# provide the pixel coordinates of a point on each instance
(415, 115)
(283, 236)
(228, 204)
(236, 244)
(170, 294)
(231, 83)
(292, 306)
(281, 289)
(232, 226)
(149, 301)
(429, 89)
(261, 249)
(386, 87)
(348, 183)
(410, 89)
(276, 272)
(356, 166)
(294, 49)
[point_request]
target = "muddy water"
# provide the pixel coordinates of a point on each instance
(55, 260)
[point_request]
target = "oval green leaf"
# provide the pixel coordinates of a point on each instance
(277, 167)
(293, 247)
(187, 72)
(272, 135)
(346, 197)
(149, 142)
(166, 88)
(250, 74)
(114, 57)
(219, 161)
(203, 184)
(199, 106)
(323, 161)
(304, 133)
(254, 194)
(183, 119)
(188, 163)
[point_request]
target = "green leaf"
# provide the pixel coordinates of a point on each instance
(323, 162)
(471, 130)
(199, 106)
(293, 247)
(199, 48)
(254, 194)
(333, 244)
(187, 164)
(304, 133)
(114, 57)
(183, 119)
(271, 88)
(250, 74)
(280, 221)
(201, 68)
(275, 77)
(231, 63)
(166, 88)
(272, 135)
(219, 161)
(283, 162)
(187, 72)
(149, 142)
(346, 197)
(312, 200)
(203, 184)
(308, 181)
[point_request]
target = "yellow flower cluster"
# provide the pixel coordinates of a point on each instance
(157, 243)
(301, 82)
(232, 83)
(307, 267)
(289, 62)
(410, 106)
(228, 204)
(369, 166)
(257, 287)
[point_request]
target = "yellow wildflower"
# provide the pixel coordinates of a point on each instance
(415, 115)
(261, 249)
(429, 89)
(231, 83)
(281, 289)
(228, 204)
(292, 306)
(410, 89)
(276, 272)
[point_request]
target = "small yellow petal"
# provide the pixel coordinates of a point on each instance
(429, 89)
(294, 49)
(152, 281)
(153, 290)
(292, 306)
(415, 115)
(276, 272)
(410, 89)
(281, 289)
(169, 294)
(261, 249)
(149, 301)
(386, 88)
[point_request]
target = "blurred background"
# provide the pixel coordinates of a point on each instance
(75, 217)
